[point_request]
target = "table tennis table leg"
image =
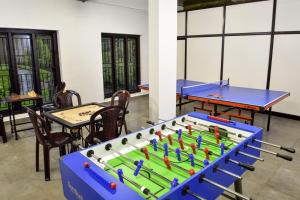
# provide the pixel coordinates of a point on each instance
(10, 118)
(252, 117)
(215, 113)
(180, 102)
(269, 118)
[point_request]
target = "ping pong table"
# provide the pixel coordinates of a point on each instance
(221, 93)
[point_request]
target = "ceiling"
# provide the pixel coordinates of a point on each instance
(182, 4)
(198, 4)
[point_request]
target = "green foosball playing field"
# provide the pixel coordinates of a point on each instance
(155, 174)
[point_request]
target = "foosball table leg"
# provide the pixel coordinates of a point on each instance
(238, 188)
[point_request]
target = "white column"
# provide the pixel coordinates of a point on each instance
(162, 58)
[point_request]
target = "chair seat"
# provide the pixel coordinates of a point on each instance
(60, 138)
(48, 107)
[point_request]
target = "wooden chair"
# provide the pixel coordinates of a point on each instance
(121, 98)
(107, 129)
(47, 140)
(59, 88)
(65, 99)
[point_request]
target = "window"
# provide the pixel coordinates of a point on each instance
(120, 59)
(28, 61)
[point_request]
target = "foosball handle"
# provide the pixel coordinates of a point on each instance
(246, 166)
(288, 149)
(286, 157)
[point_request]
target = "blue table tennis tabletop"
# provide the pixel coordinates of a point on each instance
(260, 98)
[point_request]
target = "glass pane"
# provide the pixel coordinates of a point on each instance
(23, 57)
(107, 66)
(4, 71)
(132, 64)
(120, 64)
(44, 45)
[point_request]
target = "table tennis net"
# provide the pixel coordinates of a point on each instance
(189, 90)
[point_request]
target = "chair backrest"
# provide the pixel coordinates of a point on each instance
(121, 98)
(60, 87)
(65, 99)
(108, 118)
(40, 127)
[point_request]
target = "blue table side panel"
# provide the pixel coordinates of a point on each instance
(249, 96)
(78, 182)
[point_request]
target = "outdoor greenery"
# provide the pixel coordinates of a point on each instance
(46, 77)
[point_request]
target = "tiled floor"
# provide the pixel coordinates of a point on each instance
(274, 179)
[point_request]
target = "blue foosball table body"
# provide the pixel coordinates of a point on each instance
(80, 183)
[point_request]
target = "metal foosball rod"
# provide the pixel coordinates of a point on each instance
(186, 190)
(158, 133)
(288, 149)
(283, 156)
(245, 154)
(199, 124)
(191, 172)
(249, 155)
(161, 135)
(109, 148)
(203, 178)
(241, 164)
(139, 136)
(136, 163)
(191, 136)
(145, 190)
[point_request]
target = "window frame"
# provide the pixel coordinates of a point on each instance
(113, 37)
(33, 33)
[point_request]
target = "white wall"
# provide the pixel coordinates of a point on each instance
(246, 60)
(246, 57)
(249, 17)
(79, 27)
(203, 59)
(287, 15)
(285, 72)
(206, 21)
(180, 24)
(286, 59)
(180, 59)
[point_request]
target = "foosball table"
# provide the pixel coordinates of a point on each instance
(194, 156)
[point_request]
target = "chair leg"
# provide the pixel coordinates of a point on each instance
(125, 126)
(48, 124)
(37, 156)
(47, 163)
(120, 130)
(81, 135)
(68, 149)
(62, 150)
(86, 144)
